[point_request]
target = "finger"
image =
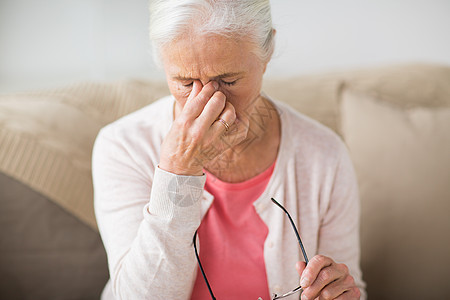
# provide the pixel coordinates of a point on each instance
(238, 133)
(343, 286)
(213, 109)
(228, 115)
(353, 293)
(300, 266)
(195, 104)
(331, 276)
(315, 265)
(241, 123)
(196, 88)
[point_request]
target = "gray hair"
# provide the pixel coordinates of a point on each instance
(248, 19)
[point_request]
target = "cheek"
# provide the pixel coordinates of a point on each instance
(242, 97)
(180, 92)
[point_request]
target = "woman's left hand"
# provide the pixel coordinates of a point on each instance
(323, 278)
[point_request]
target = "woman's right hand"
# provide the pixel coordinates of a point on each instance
(196, 137)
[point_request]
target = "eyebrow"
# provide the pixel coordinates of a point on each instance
(224, 75)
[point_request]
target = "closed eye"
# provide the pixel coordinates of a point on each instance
(229, 83)
(188, 84)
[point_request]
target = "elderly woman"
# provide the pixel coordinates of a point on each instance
(199, 168)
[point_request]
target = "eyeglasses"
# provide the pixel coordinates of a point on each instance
(275, 296)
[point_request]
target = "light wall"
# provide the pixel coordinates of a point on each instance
(50, 43)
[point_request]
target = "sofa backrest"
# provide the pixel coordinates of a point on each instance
(408, 85)
(46, 141)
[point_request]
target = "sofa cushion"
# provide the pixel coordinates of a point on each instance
(46, 137)
(46, 252)
(49, 244)
(402, 160)
(407, 85)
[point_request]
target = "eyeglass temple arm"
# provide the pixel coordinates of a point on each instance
(295, 229)
(201, 267)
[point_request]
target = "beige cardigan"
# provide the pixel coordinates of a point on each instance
(147, 217)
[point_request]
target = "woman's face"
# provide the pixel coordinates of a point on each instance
(229, 62)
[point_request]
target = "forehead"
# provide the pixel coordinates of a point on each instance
(207, 56)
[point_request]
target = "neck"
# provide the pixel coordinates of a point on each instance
(257, 152)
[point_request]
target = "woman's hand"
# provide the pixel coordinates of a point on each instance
(196, 137)
(325, 279)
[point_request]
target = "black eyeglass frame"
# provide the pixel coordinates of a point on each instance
(275, 296)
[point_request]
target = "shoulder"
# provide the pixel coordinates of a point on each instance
(135, 139)
(153, 119)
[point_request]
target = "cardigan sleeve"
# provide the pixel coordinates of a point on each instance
(339, 230)
(146, 221)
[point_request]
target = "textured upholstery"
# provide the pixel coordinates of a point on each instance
(47, 137)
(46, 252)
(49, 244)
(49, 237)
(402, 158)
(406, 85)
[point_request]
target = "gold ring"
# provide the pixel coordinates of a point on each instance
(227, 127)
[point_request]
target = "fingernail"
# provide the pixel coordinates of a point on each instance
(215, 85)
(304, 282)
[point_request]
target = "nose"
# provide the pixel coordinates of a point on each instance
(204, 82)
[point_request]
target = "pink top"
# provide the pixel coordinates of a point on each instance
(231, 238)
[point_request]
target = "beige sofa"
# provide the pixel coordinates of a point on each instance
(394, 119)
